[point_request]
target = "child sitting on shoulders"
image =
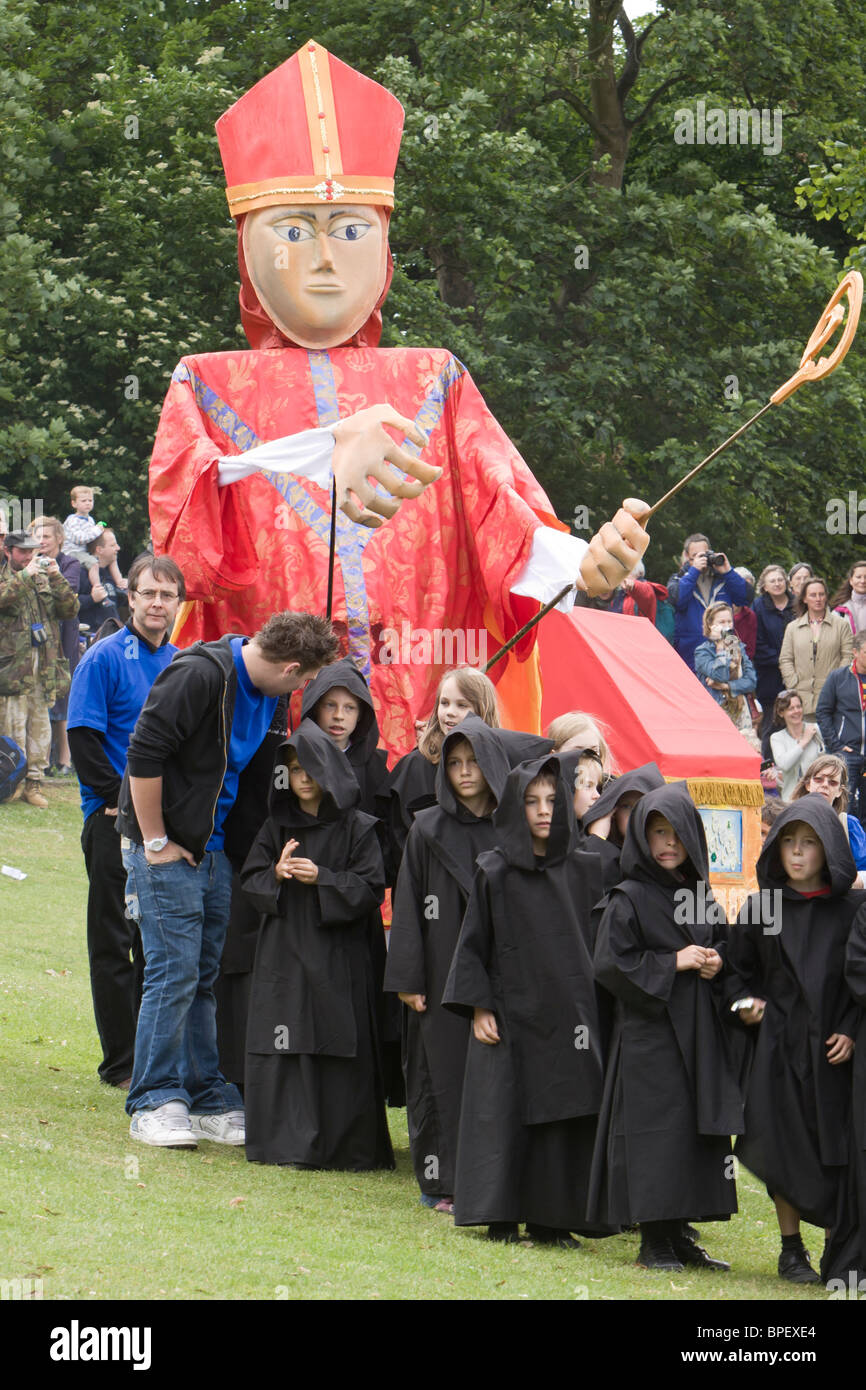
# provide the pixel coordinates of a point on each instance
(79, 529)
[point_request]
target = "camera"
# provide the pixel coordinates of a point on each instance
(716, 558)
(42, 562)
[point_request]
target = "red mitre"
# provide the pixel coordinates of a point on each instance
(313, 129)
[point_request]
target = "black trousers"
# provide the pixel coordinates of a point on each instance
(113, 947)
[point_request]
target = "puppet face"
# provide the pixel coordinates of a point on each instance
(802, 856)
(318, 271)
(624, 809)
(665, 845)
(464, 774)
(586, 786)
(338, 713)
(453, 705)
(539, 800)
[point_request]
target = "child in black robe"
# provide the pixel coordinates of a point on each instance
(671, 1101)
(339, 701)
(314, 1092)
(433, 886)
(845, 1256)
(616, 803)
(787, 956)
(522, 971)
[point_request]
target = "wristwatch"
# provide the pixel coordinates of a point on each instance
(154, 846)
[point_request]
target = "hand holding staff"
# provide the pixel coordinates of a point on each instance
(625, 539)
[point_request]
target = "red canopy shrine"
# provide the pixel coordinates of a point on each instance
(622, 671)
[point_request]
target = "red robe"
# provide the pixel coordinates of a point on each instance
(444, 564)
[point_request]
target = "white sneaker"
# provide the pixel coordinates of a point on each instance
(225, 1128)
(166, 1127)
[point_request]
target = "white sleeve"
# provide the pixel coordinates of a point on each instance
(555, 559)
(307, 454)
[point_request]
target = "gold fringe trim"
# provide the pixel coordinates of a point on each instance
(711, 791)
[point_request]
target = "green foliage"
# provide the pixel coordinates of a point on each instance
(609, 366)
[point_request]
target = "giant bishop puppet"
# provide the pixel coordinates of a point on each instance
(441, 526)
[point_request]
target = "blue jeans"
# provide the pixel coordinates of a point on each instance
(182, 913)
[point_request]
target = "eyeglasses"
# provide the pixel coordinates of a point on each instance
(150, 594)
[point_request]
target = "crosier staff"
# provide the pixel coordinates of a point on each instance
(809, 369)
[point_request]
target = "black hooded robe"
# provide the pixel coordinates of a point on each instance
(671, 1101)
(530, 1101)
(797, 1105)
(433, 887)
(643, 779)
(369, 763)
(314, 1091)
(845, 1252)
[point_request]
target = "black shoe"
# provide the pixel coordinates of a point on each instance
(505, 1231)
(795, 1267)
(656, 1252)
(551, 1235)
(691, 1232)
(693, 1254)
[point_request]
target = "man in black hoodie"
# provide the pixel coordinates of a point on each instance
(204, 719)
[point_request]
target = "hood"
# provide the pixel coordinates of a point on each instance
(514, 841)
(261, 330)
(674, 802)
(489, 754)
(817, 813)
(365, 738)
(321, 759)
(643, 779)
(520, 747)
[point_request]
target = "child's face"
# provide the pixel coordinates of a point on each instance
(665, 845)
(464, 774)
(84, 503)
(802, 856)
(539, 800)
(722, 622)
(826, 783)
(624, 808)
(453, 706)
(306, 789)
(337, 713)
(587, 787)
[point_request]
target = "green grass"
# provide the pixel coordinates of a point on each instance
(96, 1216)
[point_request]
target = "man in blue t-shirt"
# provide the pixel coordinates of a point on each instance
(203, 721)
(109, 687)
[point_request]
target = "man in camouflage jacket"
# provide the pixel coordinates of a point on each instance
(34, 596)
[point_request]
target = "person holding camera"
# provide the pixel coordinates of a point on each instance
(34, 597)
(705, 577)
(723, 665)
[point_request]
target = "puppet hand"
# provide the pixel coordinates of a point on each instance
(484, 1026)
(712, 965)
(691, 958)
(362, 447)
(416, 1002)
(615, 549)
(839, 1048)
(755, 1013)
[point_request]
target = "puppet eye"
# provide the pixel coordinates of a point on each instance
(293, 232)
(351, 231)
